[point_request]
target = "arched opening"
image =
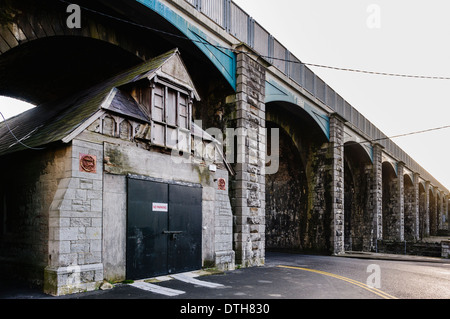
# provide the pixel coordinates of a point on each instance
(298, 201)
(47, 69)
(57, 60)
(422, 211)
(286, 197)
(409, 209)
(438, 220)
(357, 218)
(390, 211)
(432, 212)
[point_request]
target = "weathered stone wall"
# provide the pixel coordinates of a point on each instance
(114, 226)
(248, 196)
(336, 189)
(305, 201)
(445, 249)
(428, 249)
(439, 209)
(123, 157)
(28, 186)
(224, 256)
(75, 225)
(298, 200)
(432, 211)
(286, 199)
(391, 203)
(445, 225)
(358, 217)
(411, 209)
(423, 212)
(319, 172)
(376, 193)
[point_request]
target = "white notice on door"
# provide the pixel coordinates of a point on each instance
(160, 207)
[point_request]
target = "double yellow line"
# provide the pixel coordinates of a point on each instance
(376, 291)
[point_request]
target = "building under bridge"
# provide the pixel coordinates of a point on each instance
(172, 135)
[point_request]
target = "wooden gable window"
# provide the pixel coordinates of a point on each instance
(170, 108)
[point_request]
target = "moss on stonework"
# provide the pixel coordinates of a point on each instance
(204, 175)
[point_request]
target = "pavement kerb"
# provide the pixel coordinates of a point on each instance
(380, 256)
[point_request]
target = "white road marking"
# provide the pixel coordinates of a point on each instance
(184, 277)
(157, 289)
(191, 280)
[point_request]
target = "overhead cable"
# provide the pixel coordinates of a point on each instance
(260, 55)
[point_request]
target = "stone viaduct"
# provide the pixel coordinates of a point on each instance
(309, 172)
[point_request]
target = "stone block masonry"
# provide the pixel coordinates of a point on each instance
(223, 226)
(337, 187)
(376, 193)
(445, 249)
(248, 195)
(75, 226)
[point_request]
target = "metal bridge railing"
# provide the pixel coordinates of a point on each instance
(242, 26)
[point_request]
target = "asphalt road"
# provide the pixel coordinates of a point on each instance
(287, 277)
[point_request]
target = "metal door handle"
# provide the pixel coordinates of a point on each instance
(167, 232)
(173, 234)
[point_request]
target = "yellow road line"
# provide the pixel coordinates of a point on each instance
(352, 281)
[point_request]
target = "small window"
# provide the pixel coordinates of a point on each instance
(170, 109)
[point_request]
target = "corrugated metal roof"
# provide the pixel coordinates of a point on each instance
(52, 122)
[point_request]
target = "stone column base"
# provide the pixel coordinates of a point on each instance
(224, 260)
(72, 279)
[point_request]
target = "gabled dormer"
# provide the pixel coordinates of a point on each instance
(162, 96)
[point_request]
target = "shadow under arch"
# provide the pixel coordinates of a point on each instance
(390, 205)
(358, 220)
(47, 69)
(432, 211)
(437, 218)
(410, 220)
(40, 51)
(298, 201)
(423, 223)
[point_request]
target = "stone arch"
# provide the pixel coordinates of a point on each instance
(358, 221)
(432, 211)
(37, 42)
(390, 199)
(298, 199)
(30, 22)
(438, 220)
(42, 59)
(48, 69)
(286, 197)
(410, 210)
(423, 208)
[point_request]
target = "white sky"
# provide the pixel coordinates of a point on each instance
(413, 38)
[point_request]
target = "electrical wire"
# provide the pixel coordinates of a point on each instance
(380, 73)
(264, 57)
(397, 136)
(259, 55)
(19, 141)
(414, 133)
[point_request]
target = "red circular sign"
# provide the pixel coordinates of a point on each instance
(222, 184)
(88, 163)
